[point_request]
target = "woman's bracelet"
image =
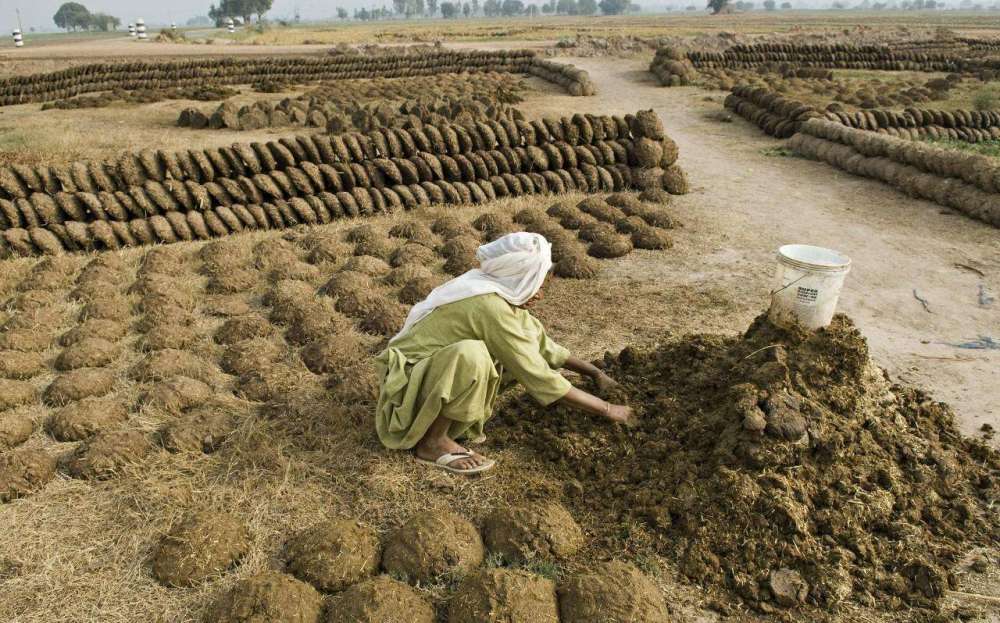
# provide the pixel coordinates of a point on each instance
(607, 409)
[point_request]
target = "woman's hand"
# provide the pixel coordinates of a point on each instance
(621, 414)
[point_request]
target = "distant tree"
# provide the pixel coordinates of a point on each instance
(432, 7)
(104, 22)
(491, 8)
(466, 9)
(199, 20)
(690, 7)
(614, 7)
(718, 6)
(743, 5)
(475, 7)
(531, 10)
(260, 7)
(586, 7)
(72, 16)
(341, 13)
(566, 7)
(786, 5)
(770, 5)
(547, 8)
(510, 8)
(449, 10)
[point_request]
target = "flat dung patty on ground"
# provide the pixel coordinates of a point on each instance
(379, 600)
(24, 471)
(266, 597)
(200, 545)
(504, 595)
(333, 555)
(611, 592)
(431, 544)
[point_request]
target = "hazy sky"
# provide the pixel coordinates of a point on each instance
(39, 13)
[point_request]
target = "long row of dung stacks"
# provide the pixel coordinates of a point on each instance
(782, 117)
(158, 196)
(972, 126)
(773, 113)
(969, 183)
(840, 55)
(154, 75)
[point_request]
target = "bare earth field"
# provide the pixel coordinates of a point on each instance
(78, 550)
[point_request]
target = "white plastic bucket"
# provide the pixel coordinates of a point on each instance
(807, 285)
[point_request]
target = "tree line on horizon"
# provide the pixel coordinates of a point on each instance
(75, 16)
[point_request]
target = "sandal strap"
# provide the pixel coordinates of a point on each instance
(451, 457)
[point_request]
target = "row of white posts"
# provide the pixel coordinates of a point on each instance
(137, 30)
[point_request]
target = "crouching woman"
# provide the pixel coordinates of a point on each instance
(441, 373)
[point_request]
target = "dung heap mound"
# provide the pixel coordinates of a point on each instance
(782, 466)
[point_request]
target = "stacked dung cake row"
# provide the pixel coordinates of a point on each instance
(159, 196)
(219, 71)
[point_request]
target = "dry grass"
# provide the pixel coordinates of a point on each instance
(677, 24)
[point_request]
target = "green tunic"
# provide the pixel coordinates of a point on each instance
(452, 362)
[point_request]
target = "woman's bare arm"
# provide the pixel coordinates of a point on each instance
(603, 381)
(590, 403)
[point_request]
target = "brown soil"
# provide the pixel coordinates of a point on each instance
(431, 544)
(177, 394)
(504, 595)
(91, 352)
(83, 419)
(798, 444)
(203, 429)
(23, 472)
(537, 530)
(202, 544)
(611, 592)
(379, 600)
(267, 597)
(14, 430)
(79, 384)
(333, 555)
(105, 454)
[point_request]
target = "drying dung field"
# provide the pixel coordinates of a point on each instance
(204, 245)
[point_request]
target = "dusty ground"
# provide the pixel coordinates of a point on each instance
(82, 547)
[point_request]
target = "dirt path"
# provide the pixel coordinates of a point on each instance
(752, 203)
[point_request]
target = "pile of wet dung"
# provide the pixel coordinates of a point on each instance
(781, 466)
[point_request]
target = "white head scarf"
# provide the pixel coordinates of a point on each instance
(513, 266)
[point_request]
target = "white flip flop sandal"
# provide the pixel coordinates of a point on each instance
(444, 462)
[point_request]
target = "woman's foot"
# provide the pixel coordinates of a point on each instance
(433, 449)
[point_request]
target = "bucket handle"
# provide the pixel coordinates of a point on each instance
(773, 292)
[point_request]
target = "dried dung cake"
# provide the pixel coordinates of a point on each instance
(539, 530)
(611, 592)
(333, 555)
(504, 595)
(106, 454)
(24, 471)
(379, 600)
(431, 544)
(267, 597)
(85, 418)
(200, 545)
